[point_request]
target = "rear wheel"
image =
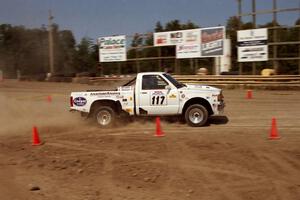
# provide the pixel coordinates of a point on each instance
(105, 116)
(196, 115)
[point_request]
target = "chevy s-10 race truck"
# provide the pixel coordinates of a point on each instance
(150, 94)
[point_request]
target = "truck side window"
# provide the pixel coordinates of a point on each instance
(152, 82)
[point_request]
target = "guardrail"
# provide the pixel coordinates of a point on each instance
(245, 81)
(240, 79)
(289, 82)
(225, 81)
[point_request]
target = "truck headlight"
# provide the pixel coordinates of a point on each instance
(220, 96)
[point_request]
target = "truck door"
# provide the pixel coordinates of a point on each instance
(158, 96)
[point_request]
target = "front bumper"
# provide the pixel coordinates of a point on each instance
(221, 106)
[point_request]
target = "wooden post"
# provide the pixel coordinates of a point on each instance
(137, 62)
(299, 51)
(159, 60)
(51, 49)
(119, 68)
(177, 66)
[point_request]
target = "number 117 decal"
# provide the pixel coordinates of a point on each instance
(158, 100)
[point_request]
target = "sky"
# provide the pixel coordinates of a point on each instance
(98, 18)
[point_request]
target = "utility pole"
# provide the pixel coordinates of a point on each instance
(51, 50)
(254, 26)
(240, 27)
(299, 45)
(275, 63)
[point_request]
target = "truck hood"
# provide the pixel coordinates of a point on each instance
(200, 87)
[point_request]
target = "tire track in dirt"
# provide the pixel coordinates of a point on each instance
(108, 185)
(81, 147)
(172, 146)
(274, 179)
(278, 167)
(203, 183)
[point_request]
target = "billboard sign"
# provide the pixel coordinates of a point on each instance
(194, 43)
(170, 38)
(188, 51)
(212, 41)
(252, 45)
(260, 34)
(112, 49)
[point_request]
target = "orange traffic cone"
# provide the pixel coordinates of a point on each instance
(49, 98)
(159, 132)
(35, 137)
(274, 133)
(249, 94)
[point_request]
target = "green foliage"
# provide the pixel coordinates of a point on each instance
(26, 50)
(85, 58)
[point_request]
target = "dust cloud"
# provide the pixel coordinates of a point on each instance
(20, 113)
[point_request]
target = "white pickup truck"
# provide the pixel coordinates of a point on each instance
(150, 94)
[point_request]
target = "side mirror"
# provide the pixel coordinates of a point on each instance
(168, 87)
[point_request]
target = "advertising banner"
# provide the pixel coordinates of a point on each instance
(212, 41)
(112, 49)
(252, 45)
(161, 39)
(260, 34)
(193, 43)
(191, 36)
(188, 51)
(253, 53)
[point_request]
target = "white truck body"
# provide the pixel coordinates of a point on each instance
(164, 96)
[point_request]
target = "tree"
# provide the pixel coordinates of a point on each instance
(84, 59)
(26, 50)
(158, 27)
(189, 25)
(173, 25)
(232, 26)
(65, 51)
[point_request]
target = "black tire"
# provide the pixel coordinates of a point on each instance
(105, 116)
(196, 115)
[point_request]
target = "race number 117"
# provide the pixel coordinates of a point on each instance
(158, 100)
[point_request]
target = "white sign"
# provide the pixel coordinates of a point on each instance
(191, 36)
(112, 49)
(252, 45)
(188, 51)
(253, 53)
(253, 34)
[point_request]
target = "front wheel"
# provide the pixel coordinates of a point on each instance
(196, 115)
(105, 116)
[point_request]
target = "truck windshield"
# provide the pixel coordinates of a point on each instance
(174, 81)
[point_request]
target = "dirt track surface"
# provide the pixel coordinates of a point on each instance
(223, 161)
